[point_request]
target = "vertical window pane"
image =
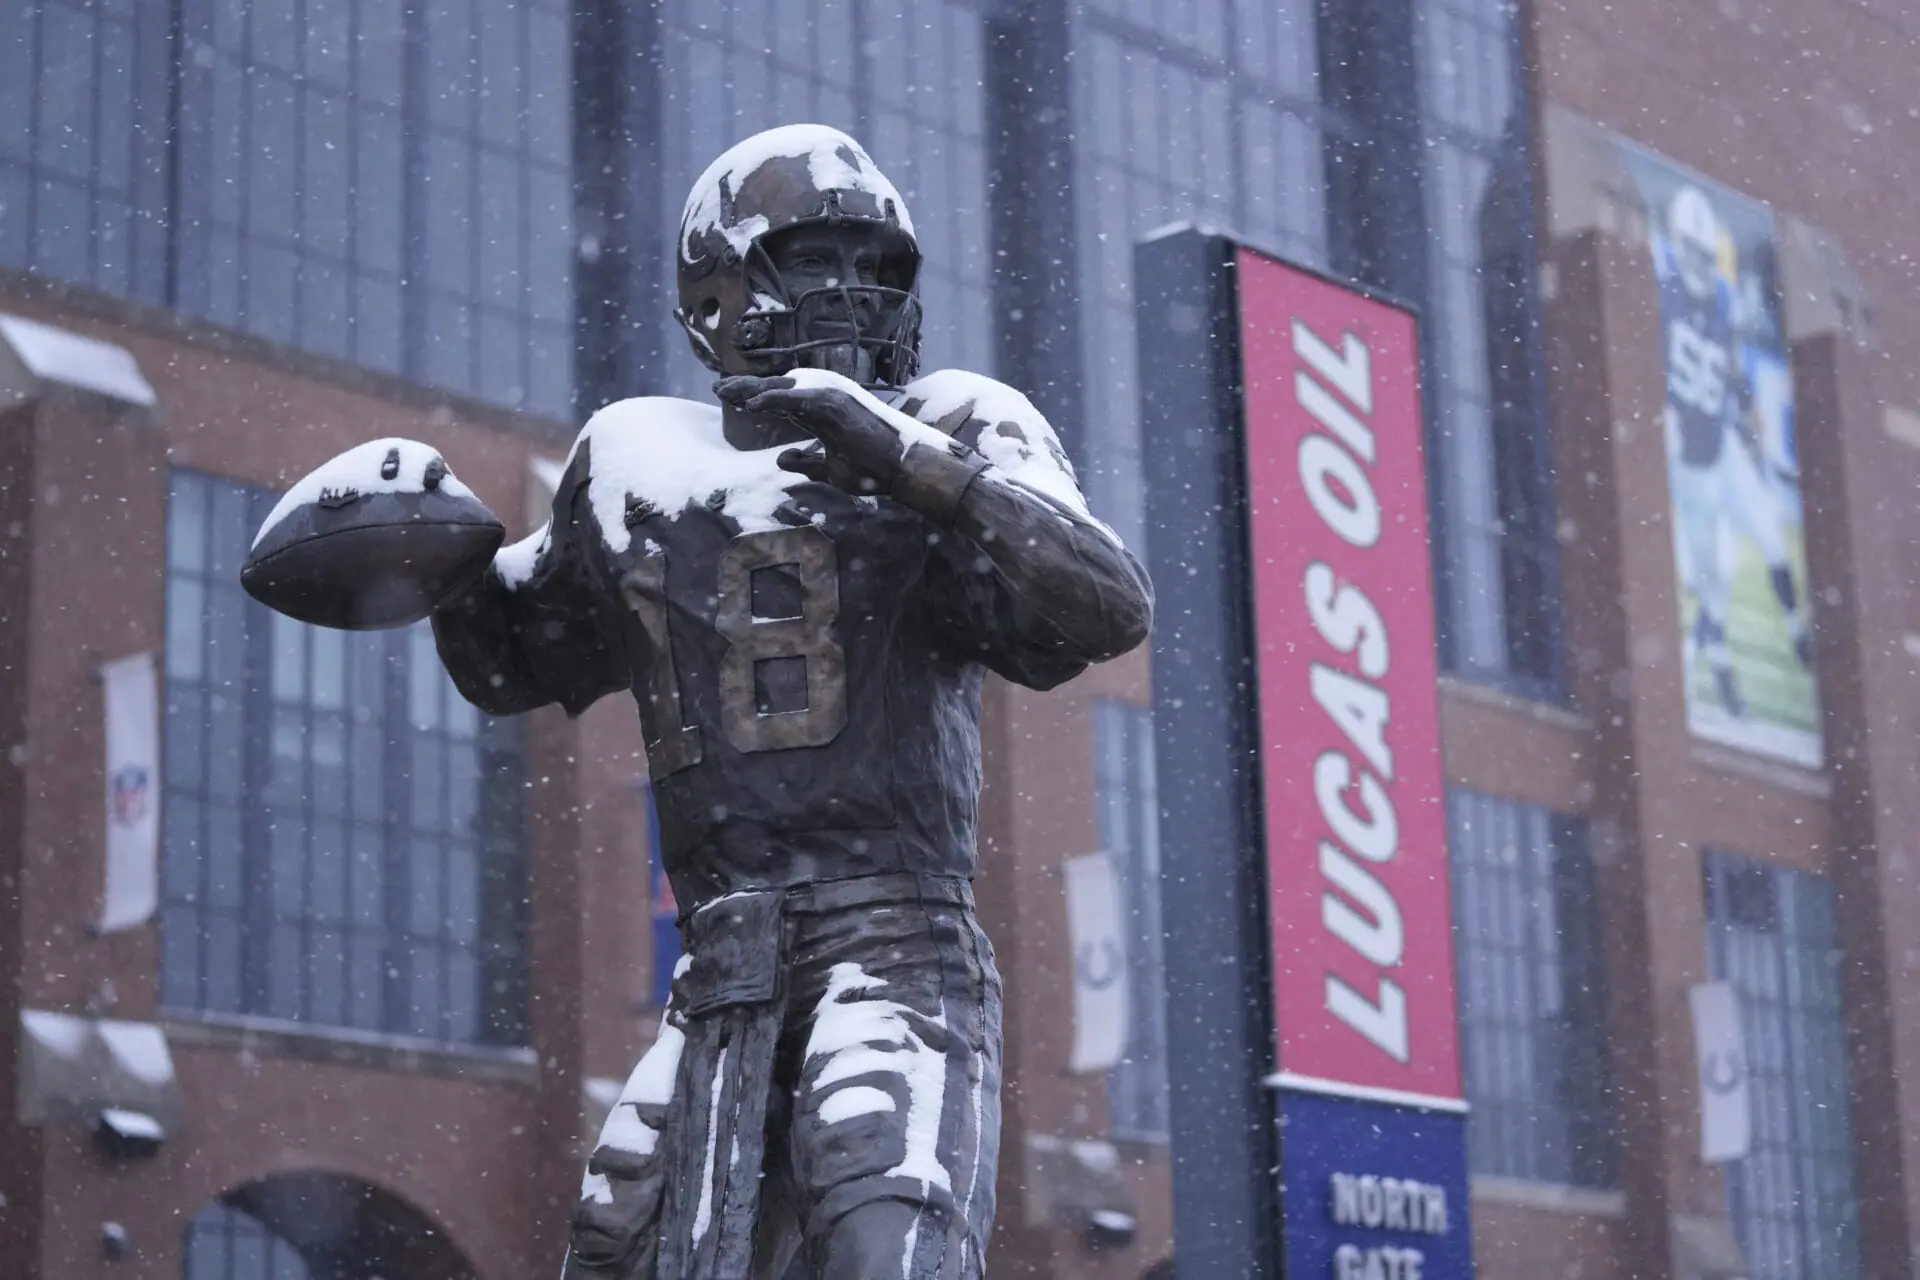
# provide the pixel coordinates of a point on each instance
(450, 232)
(502, 50)
(61, 231)
(326, 179)
(113, 154)
(225, 1244)
(450, 57)
(67, 91)
(449, 341)
(1773, 935)
(329, 42)
(549, 80)
(16, 90)
(380, 51)
(502, 231)
(1127, 799)
(14, 230)
(1532, 1006)
(1495, 540)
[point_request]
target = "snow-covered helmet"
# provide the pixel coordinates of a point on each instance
(737, 312)
(1693, 231)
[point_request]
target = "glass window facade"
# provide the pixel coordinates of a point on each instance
(1773, 935)
(1498, 589)
(79, 117)
(384, 183)
(1129, 803)
(1204, 112)
(225, 1244)
(343, 841)
(906, 81)
(1532, 1004)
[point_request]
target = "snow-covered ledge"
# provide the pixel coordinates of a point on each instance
(33, 355)
(1556, 1197)
(74, 1069)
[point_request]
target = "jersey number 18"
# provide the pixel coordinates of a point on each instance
(751, 640)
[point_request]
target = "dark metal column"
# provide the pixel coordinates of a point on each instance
(1212, 895)
(622, 219)
(1031, 206)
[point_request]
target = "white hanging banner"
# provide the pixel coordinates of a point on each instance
(132, 698)
(1720, 1056)
(1100, 987)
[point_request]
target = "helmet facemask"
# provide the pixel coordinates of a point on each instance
(866, 331)
(744, 314)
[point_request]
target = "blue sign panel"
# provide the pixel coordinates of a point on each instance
(664, 910)
(1372, 1191)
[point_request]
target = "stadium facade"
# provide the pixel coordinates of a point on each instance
(401, 952)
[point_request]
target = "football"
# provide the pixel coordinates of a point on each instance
(378, 537)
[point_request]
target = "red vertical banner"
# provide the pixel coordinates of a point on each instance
(1360, 903)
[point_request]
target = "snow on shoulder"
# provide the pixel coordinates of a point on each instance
(836, 161)
(393, 465)
(1017, 439)
(671, 455)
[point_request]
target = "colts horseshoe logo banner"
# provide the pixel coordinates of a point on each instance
(1101, 995)
(1359, 899)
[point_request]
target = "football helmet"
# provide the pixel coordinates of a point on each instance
(1693, 232)
(741, 317)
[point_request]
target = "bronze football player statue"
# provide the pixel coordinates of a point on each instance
(802, 587)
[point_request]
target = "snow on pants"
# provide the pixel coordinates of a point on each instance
(863, 1081)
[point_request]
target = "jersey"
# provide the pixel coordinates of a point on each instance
(1707, 387)
(807, 663)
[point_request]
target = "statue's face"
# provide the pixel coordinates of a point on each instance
(824, 257)
(819, 257)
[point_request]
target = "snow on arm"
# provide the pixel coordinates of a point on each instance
(1017, 438)
(516, 561)
(365, 469)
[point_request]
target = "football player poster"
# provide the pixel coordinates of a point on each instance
(1732, 469)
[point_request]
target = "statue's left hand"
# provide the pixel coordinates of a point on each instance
(862, 450)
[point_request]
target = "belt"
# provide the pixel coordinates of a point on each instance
(822, 896)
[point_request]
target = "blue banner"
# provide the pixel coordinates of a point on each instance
(661, 906)
(1372, 1191)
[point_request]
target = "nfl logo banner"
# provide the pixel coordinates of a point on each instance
(133, 792)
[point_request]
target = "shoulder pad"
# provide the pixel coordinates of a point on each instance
(955, 396)
(998, 421)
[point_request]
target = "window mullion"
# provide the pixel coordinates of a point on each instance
(256, 765)
(397, 814)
